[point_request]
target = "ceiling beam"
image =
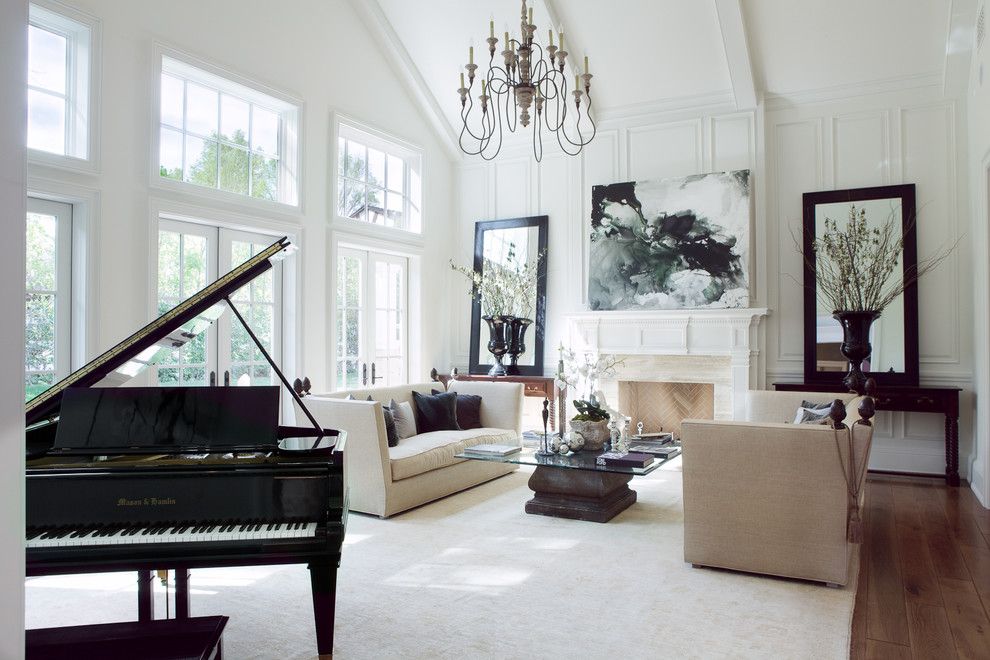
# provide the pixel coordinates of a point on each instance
(395, 52)
(730, 22)
(960, 40)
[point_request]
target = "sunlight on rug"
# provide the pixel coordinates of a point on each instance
(473, 576)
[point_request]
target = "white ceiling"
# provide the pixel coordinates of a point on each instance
(672, 51)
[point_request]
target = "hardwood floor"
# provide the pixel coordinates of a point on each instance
(924, 581)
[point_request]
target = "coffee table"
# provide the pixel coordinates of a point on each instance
(574, 486)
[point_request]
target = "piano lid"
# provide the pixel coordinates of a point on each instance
(167, 332)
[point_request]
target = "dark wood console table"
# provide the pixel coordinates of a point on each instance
(537, 386)
(941, 400)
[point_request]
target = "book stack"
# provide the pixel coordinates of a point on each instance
(492, 450)
(631, 459)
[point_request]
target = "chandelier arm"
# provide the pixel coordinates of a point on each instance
(465, 114)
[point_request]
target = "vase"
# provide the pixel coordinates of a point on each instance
(497, 345)
(855, 345)
(516, 339)
(594, 433)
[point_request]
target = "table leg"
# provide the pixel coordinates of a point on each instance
(146, 595)
(951, 450)
(579, 494)
(182, 593)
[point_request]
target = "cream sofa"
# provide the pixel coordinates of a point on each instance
(770, 497)
(385, 480)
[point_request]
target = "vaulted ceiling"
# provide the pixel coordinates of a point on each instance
(668, 53)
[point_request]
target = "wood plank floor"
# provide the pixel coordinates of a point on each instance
(924, 581)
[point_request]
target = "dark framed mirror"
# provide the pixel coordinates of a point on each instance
(511, 244)
(894, 336)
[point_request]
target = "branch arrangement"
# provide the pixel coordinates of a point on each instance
(504, 290)
(856, 265)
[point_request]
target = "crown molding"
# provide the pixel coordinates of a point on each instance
(778, 100)
(372, 15)
(722, 100)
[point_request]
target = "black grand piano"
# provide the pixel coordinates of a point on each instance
(146, 478)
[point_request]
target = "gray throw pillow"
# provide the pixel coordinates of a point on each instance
(405, 421)
(813, 413)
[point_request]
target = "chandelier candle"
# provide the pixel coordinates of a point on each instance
(527, 78)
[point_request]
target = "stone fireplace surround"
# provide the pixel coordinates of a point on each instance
(717, 346)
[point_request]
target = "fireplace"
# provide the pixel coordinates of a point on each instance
(717, 348)
(663, 406)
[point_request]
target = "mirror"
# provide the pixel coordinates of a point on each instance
(512, 244)
(894, 336)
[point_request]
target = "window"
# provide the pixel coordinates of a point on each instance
(59, 54)
(47, 300)
(190, 256)
(378, 181)
(371, 319)
(220, 134)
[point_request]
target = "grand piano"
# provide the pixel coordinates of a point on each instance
(161, 478)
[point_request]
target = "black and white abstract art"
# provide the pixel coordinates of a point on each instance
(679, 243)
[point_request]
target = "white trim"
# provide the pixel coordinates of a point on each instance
(62, 212)
(85, 202)
(83, 82)
(781, 100)
(291, 110)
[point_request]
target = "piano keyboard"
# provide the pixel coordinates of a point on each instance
(66, 537)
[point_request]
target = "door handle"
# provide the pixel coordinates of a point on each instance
(213, 379)
(374, 378)
(364, 373)
(226, 379)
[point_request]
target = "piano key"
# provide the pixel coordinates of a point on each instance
(103, 536)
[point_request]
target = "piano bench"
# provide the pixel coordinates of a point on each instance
(195, 638)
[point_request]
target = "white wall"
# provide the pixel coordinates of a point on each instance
(13, 122)
(313, 50)
(978, 139)
(862, 139)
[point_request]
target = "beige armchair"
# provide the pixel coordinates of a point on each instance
(768, 497)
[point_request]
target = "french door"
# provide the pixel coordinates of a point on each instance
(371, 321)
(190, 256)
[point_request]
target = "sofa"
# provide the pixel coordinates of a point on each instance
(385, 480)
(769, 496)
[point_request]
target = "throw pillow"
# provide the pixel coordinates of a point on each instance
(405, 421)
(468, 410)
(391, 432)
(436, 412)
(813, 413)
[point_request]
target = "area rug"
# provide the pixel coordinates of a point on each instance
(473, 576)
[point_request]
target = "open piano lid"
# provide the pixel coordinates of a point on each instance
(166, 333)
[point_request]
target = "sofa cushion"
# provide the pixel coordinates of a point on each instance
(405, 421)
(436, 412)
(468, 410)
(432, 451)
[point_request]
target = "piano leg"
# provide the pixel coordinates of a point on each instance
(323, 579)
(146, 595)
(182, 593)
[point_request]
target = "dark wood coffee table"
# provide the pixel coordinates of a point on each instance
(574, 486)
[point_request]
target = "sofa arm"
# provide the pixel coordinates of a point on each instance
(501, 403)
(366, 458)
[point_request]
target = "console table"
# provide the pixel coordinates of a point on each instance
(941, 400)
(538, 386)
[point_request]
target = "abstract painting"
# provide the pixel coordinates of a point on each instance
(679, 243)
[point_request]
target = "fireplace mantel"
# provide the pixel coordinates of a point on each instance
(732, 333)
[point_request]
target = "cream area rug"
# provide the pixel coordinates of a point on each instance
(473, 576)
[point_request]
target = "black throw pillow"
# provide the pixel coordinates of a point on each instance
(390, 432)
(468, 410)
(436, 412)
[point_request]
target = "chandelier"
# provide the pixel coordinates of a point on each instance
(528, 77)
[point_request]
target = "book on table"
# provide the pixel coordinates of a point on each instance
(492, 450)
(631, 459)
(660, 438)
